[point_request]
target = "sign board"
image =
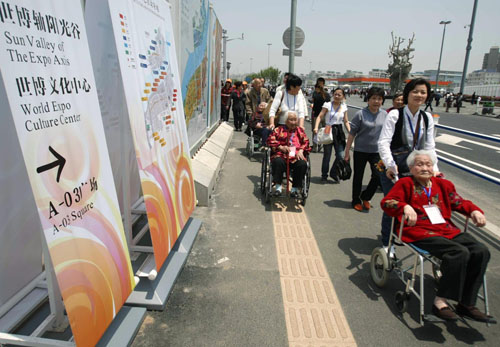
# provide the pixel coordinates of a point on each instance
(48, 78)
(300, 37)
(297, 52)
(146, 52)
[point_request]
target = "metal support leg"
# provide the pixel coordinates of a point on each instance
(422, 301)
(60, 321)
(485, 297)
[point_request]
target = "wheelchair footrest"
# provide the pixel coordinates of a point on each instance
(430, 318)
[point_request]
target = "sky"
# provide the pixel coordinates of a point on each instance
(355, 35)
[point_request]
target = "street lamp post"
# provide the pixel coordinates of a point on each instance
(291, 58)
(469, 46)
(268, 51)
(225, 39)
(445, 23)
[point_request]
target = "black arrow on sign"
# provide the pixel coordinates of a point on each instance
(59, 162)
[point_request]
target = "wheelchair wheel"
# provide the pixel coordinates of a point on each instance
(269, 187)
(250, 146)
(379, 267)
(269, 178)
(306, 183)
(263, 174)
(401, 300)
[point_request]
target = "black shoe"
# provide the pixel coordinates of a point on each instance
(294, 194)
(324, 179)
(445, 313)
(474, 313)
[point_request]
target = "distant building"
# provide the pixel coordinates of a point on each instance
(352, 74)
(483, 77)
(378, 73)
(491, 60)
(455, 77)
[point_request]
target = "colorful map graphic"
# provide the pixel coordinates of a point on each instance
(194, 60)
(146, 50)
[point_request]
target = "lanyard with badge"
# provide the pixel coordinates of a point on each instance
(293, 150)
(291, 109)
(328, 127)
(431, 209)
(415, 133)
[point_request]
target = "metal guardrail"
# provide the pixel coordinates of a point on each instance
(457, 164)
(469, 133)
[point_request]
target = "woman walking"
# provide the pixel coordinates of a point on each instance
(238, 97)
(336, 115)
(365, 127)
(319, 97)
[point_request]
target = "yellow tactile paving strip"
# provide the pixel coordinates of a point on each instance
(313, 313)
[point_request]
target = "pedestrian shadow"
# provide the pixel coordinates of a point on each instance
(255, 180)
(359, 249)
(338, 203)
(256, 157)
(317, 180)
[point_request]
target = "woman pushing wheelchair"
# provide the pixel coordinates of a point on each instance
(289, 142)
(426, 203)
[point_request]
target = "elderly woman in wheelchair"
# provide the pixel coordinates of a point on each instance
(426, 202)
(289, 148)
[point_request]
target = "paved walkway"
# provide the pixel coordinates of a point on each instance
(238, 290)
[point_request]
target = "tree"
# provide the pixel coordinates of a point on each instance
(400, 67)
(271, 74)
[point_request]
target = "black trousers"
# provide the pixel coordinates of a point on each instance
(463, 264)
(297, 171)
(360, 160)
(239, 116)
(224, 111)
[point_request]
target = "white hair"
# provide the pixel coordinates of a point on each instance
(291, 112)
(411, 158)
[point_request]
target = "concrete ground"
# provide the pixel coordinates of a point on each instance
(229, 293)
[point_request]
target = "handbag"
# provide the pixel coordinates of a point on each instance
(400, 155)
(278, 111)
(324, 138)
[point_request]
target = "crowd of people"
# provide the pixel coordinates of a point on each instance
(397, 144)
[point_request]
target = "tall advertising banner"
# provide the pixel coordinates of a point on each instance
(146, 51)
(194, 66)
(20, 237)
(112, 103)
(48, 78)
(215, 67)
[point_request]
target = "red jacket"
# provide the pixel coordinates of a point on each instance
(281, 137)
(408, 192)
(226, 96)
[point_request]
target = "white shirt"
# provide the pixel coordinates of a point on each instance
(334, 115)
(385, 139)
(289, 103)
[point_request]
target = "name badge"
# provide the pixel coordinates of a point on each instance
(434, 214)
(292, 152)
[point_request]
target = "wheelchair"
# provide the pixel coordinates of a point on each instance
(382, 263)
(253, 144)
(266, 179)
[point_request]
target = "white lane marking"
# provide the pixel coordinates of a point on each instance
(453, 140)
(450, 140)
(492, 228)
(469, 161)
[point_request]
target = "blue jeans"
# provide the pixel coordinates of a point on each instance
(386, 220)
(327, 154)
